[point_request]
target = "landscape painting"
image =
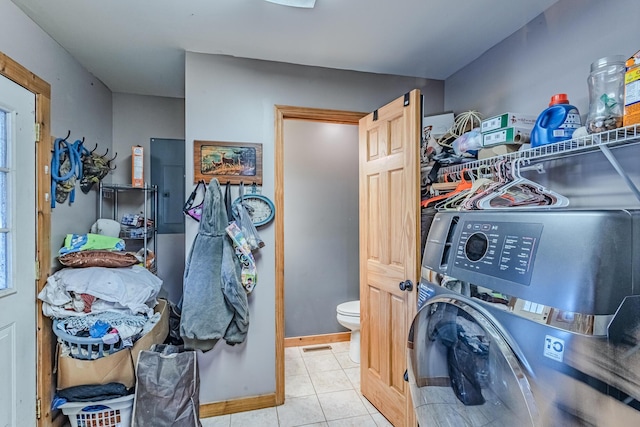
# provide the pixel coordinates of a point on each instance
(232, 162)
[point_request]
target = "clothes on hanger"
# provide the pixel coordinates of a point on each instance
(214, 302)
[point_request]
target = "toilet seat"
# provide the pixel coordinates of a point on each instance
(349, 308)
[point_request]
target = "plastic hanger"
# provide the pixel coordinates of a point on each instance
(519, 193)
(462, 185)
(456, 201)
(499, 178)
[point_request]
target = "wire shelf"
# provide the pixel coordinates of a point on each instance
(620, 136)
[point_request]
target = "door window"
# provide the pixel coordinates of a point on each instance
(4, 205)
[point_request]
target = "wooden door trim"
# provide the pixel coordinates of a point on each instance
(282, 113)
(44, 334)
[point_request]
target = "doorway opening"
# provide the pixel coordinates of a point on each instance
(283, 113)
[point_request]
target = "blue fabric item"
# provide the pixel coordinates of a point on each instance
(214, 303)
(57, 402)
(99, 329)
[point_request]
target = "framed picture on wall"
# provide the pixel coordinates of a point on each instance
(233, 162)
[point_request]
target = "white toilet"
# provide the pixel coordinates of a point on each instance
(349, 317)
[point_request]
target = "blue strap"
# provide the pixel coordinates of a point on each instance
(74, 152)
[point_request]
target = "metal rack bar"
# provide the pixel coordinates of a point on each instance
(625, 135)
(150, 202)
(616, 165)
(602, 141)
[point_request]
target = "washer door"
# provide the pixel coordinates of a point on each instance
(462, 371)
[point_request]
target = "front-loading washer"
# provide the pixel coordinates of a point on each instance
(507, 303)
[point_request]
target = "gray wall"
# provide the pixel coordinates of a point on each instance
(321, 228)
(80, 103)
(552, 54)
(137, 119)
(232, 99)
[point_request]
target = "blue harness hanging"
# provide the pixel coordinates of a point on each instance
(66, 168)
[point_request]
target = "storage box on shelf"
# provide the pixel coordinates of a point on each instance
(140, 231)
(506, 120)
(510, 135)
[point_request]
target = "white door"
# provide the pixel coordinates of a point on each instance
(17, 256)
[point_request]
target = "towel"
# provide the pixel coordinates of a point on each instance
(82, 242)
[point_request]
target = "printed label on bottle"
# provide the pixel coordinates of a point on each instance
(572, 120)
(571, 123)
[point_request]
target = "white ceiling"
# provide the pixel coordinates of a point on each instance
(137, 46)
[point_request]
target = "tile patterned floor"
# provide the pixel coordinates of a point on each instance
(322, 389)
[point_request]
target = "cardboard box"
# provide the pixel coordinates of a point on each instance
(632, 91)
(137, 166)
(506, 120)
(117, 367)
(497, 150)
(506, 136)
(437, 125)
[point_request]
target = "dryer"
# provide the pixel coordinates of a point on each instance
(514, 315)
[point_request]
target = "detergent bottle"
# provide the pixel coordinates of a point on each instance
(556, 123)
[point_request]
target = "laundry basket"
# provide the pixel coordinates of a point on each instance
(106, 413)
(85, 347)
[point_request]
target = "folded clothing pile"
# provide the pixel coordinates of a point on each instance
(96, 305)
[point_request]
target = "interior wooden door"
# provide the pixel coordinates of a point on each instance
(389, 246)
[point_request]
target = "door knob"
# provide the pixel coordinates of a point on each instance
(407, 285)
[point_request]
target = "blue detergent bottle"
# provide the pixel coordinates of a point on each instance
(557, 123)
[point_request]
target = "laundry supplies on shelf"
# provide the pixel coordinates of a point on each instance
(556, 123)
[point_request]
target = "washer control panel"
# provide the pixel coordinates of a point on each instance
(506, 250)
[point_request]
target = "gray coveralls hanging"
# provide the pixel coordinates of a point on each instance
(214, 303)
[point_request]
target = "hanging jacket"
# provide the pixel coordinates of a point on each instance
(214, 303)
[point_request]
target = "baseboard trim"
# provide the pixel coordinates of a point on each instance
(317, 339)
(237, 405)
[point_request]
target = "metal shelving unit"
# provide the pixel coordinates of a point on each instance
(603, 141)
(142, 234)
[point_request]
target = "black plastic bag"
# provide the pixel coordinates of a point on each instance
(461, 361)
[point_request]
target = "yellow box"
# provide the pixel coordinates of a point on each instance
(632, 91)
(137, 166)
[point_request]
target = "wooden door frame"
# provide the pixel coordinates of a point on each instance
(283, 112)
(44, 334)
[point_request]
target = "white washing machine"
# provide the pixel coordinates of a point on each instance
(513, 327)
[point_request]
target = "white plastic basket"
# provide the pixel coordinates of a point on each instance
(106, 413)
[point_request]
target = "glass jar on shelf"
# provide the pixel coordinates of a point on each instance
(606, 94)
